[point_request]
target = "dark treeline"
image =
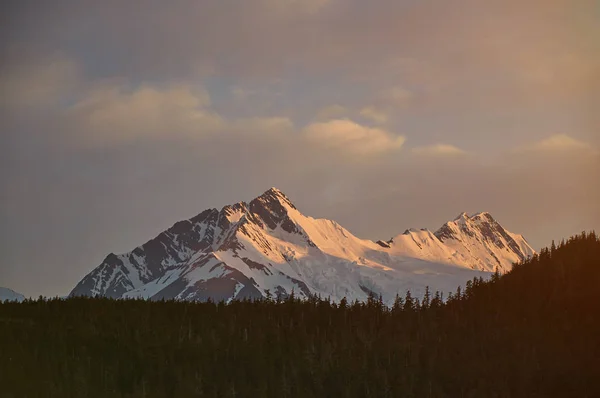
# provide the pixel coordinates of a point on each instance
(534, 332)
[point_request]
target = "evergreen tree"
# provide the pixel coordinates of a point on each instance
(426, 298)
(409, 302)
(398, 304)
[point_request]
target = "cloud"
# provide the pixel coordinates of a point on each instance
(38, 82)
(374, 115)
(262, 125)
(394, 96)
(331, 112)
(350, 137)
(438, 150)
(269, 38)
(112, 114)
(384, 103)
(240, 94)
(557, 143)
(298, 6)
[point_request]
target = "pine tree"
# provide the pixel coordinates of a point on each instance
(409, 301)
(437, 301)
(398, 304)
(426, 298)
(496, 275)
(343, 303)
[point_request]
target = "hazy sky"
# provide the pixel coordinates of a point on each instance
(120, 117)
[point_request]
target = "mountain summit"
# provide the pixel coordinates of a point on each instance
(266, 246)
(7, 294)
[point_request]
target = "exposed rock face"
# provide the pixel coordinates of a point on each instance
(247, 249)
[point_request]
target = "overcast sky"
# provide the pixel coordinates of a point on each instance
(120, 117)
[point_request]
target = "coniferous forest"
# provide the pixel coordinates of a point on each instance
(533, 332)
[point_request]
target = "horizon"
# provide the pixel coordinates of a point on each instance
(118, 120)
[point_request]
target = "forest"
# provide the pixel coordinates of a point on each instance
(532, 332)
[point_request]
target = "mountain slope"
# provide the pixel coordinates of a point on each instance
(266, 246)
(477, 241)
(10, 295)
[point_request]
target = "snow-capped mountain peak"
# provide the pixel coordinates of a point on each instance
(7, 294)
(267, 244)
(484, 242)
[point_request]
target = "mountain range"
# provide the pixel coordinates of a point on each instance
(268, 247)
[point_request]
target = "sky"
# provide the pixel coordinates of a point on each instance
(120, 117)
